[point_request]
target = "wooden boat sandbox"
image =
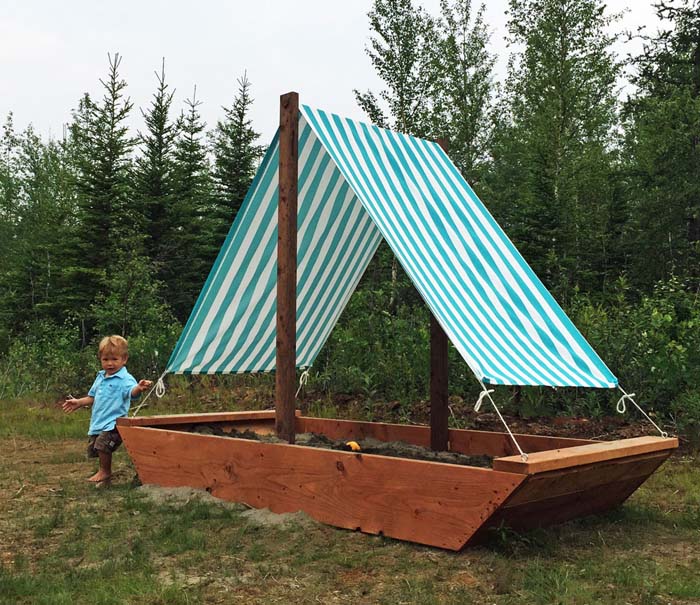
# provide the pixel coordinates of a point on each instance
(433, 503)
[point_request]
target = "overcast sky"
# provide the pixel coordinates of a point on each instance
(52, 52)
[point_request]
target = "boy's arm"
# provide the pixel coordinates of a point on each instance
(143, 385)
(71, 404)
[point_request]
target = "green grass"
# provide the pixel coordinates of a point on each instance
(41, 420)
(62, 541)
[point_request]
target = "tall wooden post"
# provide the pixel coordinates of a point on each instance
(285, 379)
(439, 432)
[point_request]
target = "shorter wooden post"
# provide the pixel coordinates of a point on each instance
(439, 431)
(285, 376)
(438, 386)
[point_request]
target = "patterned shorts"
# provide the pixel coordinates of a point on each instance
(107, 442)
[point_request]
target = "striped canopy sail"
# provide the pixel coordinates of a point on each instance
(357, 184)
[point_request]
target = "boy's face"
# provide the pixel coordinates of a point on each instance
(112, 362)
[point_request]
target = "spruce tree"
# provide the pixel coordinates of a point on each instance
(153, 173)
(236, 157)
(9, 216)
(108, 218)
(193, 235)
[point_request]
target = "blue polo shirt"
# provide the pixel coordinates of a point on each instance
(112, 399)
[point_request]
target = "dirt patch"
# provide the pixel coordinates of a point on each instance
(265, 517)
(177, 497)
(395, 449)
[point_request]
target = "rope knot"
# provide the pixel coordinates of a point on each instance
(160, 388)
(621, 406)
(484, 393)
(303, 379)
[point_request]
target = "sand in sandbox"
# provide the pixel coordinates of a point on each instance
(395, 449)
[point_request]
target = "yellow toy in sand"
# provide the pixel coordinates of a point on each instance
(353, 445)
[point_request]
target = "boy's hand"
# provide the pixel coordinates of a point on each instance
(144, 385)
(71, 404)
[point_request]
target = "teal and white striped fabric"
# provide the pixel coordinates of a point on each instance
(358, 183)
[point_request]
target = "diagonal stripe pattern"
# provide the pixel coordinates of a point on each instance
(358, 183)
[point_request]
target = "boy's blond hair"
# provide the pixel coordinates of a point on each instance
(113, 344)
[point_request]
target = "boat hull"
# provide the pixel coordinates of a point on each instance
(433, 503)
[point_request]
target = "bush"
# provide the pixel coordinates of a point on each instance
(48, 360)
(374, 354)
(651, 343)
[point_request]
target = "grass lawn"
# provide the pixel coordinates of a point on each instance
(63, 541)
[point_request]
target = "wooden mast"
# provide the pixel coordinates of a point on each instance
(285, 377)
(438, 377)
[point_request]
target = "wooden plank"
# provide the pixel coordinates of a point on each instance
(571, 480)
(430, 503)
(174, 419)
(550, 511)
(539, 462)
(351, 429)
(285, 369)
(494, 444)
(470, 443)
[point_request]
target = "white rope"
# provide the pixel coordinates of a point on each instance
(484, 393)
(487, 393)
(158, 387)
(303, 379)
(621, 408)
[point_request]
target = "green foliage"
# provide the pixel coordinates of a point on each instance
(373, 353)
(102, 148)
(107, 218)
(653, 342)
(192, 237)
(404, 50)
(662, 125)
(48, 359)
(551, 182)
(154, 171)
(36, 220)
(236, 156)
(130, 304)
(462, 96)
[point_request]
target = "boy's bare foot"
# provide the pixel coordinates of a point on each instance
(99, 476)
(102, 483)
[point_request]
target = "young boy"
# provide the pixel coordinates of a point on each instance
(110, 397)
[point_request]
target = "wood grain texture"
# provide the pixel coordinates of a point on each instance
(558, 496)
(285, 368)
(566, 481)
(539, 462)
(564, 507)
(430, 503)
(494, 444)
(471, 443)
(174, 419)
(351, 429)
